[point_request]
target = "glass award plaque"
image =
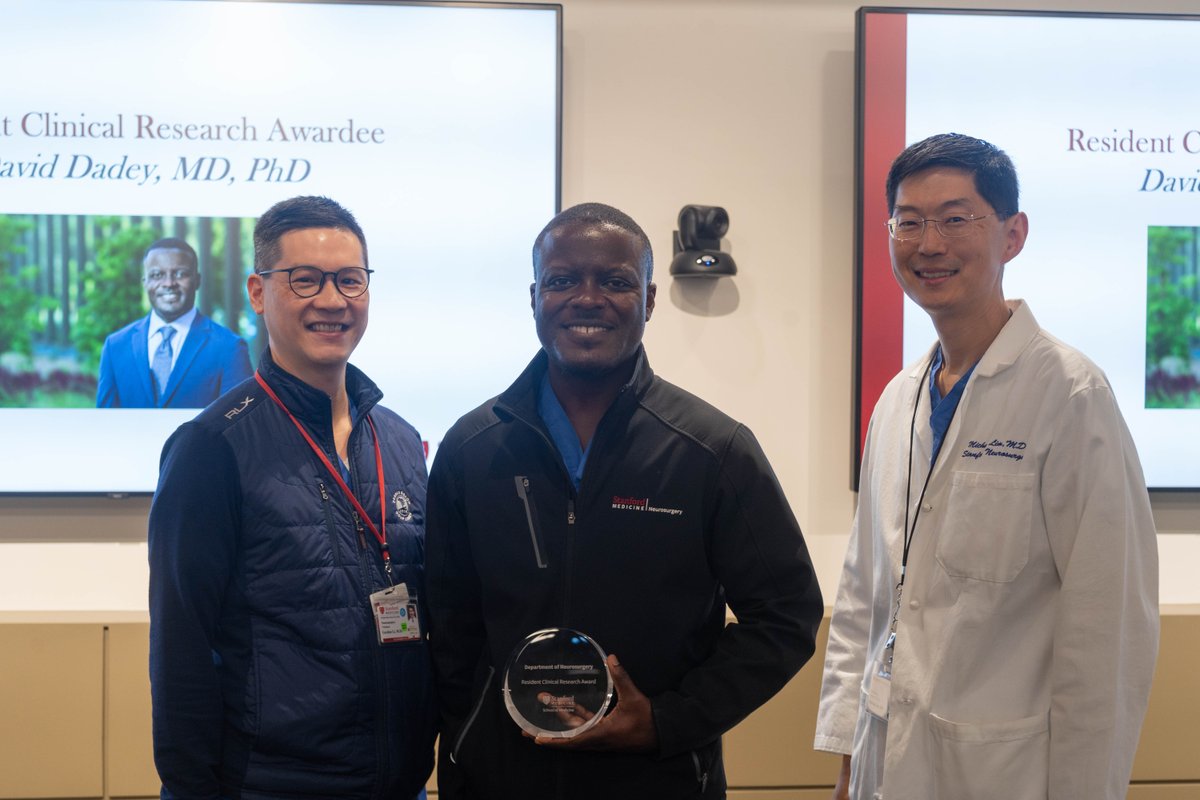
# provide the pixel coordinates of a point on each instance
(557, 684)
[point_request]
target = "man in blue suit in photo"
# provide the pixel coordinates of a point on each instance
(175, 357)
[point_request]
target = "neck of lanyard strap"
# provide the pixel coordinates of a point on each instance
(380, 532)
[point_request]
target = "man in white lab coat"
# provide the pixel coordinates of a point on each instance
(996, 626)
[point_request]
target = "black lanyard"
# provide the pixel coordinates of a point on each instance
(910, 529)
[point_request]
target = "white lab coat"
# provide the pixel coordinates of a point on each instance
(1028, 627)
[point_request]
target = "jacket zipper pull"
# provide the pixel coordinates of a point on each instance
(570, 512)
(362, 540)
(324, 494)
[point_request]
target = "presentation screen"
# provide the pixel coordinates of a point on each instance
(127, 122)
(1098, 114)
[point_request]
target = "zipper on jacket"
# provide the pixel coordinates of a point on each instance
(354, 486)
(569, 558)
(358, 527)
(329, 526)
(701, 773)
(366, 574)
(366, 570)
(522, 484)
(458, 740)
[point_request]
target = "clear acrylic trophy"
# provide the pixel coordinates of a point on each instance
(557, 683)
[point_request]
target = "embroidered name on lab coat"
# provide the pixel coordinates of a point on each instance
(996, 448)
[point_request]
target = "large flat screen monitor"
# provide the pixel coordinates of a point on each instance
(126, 121)
(1098, 112)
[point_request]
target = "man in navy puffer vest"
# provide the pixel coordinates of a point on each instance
(287, 656)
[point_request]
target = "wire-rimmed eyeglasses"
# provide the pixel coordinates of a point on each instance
(350, 282)
(904, 229)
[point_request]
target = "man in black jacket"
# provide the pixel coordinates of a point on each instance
(594, 496)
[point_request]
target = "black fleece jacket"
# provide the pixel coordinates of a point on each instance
(678, 514)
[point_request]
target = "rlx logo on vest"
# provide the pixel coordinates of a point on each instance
(233, 412)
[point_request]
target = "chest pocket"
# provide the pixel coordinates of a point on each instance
(986, 535)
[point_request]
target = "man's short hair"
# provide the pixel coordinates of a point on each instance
(993, 171)
(179, 245)
(298, 214)
(596, 214)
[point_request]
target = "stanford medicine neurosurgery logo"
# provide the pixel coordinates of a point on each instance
(642, 504)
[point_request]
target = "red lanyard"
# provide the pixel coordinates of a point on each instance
(380, 532)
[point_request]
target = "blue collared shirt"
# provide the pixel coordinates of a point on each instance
(182, 326)
(562, 432)
(942, 408)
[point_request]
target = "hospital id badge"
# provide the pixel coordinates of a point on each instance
(395, 615)
(879, 694)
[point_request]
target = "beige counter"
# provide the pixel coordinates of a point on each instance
(76, 716)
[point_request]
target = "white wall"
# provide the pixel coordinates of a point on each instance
(748, 105)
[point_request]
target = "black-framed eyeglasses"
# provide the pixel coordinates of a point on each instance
(904, 229)
(350, 282)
